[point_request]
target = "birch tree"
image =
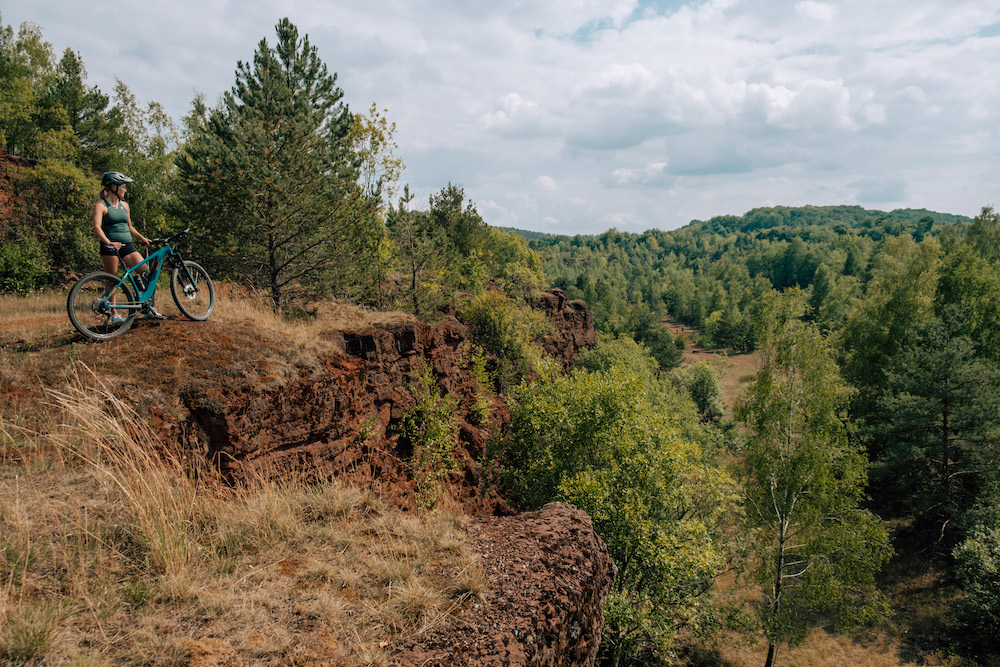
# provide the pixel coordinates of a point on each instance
(817, 550)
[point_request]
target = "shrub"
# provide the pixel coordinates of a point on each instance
(432, 428)
(977, 569)
(702, 382)
(24, 266)
(509, 333)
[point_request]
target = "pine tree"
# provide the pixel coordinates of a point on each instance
(270, 179)
(941, 407)
(423, 253)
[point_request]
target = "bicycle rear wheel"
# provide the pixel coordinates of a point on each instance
(94, 302)
(193, 291)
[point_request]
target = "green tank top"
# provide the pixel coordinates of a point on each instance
(115, 223)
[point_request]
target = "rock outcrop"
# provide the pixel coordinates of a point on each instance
(573, 323)
(548, 574)
(341, 420)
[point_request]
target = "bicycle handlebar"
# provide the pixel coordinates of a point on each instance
(168, 239)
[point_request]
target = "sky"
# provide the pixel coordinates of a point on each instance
(578, 116)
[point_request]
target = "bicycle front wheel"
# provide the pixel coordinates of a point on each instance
(193, 291)
(99, 306)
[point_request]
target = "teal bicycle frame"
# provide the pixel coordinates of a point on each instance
(144, 296)
(102, 305)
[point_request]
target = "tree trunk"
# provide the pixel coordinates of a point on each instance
(779, 567)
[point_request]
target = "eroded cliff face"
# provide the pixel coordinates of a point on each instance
(548, 572)
(341, 420)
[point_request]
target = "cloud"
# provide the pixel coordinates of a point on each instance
(816, 11)
(515, 117)
(651, 174)
(546, 183)
(640, 113)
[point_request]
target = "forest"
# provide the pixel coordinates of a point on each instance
(867, 434)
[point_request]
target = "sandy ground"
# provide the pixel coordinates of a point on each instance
(735, 370)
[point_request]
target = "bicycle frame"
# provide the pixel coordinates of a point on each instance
(130, 275)
(99, 313)
(143, 296)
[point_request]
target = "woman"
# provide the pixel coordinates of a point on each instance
(113, 227)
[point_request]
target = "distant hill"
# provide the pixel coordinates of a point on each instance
(850, 218)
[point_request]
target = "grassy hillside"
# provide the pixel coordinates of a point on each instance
(114, 550)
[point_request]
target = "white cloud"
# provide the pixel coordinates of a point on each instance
(637, 114)
(816, 11)
(546, 183)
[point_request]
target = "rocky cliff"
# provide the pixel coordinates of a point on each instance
(548, 575)
(341, 420)
(548, 572)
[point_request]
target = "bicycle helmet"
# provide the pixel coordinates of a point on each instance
(114, 178)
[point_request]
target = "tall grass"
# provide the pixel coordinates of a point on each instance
(114, 548)
(108, 436)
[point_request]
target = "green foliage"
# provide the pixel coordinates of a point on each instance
(940, 415)
(977, 569)
(422, 252)
(61, 203)
(450, 250)
(612, 351)
(804, 484)
(509, 333)
(479, 412)
(23, 267)
(373, 143)
(432, 428)
(26, 74)
(726, 264)
(601, 441)
(270, 176)
(899, 297)
(970, 280)
(701, 380)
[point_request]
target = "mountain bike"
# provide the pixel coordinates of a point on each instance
(102, 306)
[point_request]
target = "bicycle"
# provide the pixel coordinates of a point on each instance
(102, 306)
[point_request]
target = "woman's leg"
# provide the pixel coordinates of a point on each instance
(131, 260)
(110, 263)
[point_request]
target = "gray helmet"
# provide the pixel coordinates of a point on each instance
(114, 178)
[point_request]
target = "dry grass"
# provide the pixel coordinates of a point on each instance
(822, 649)
(244, 342)
(115, 550)
(43, 314)
(112, 551)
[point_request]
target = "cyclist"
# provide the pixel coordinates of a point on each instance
(113, 228)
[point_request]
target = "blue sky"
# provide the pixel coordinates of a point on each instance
(575, 116)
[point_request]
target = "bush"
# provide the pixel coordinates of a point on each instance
(432, 428)
(977, 569)
(24, 266)
(702, 382)
(509, 333)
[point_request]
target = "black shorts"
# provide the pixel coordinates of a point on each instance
(108, 249)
